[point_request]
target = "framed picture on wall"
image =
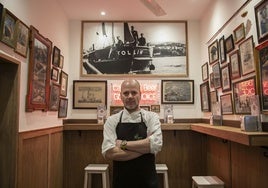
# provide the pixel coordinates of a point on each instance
(226, 104)
(124, 52)
(155, 108)
(8, 26)
(242, 91)
(89, 94)
(63, 83)
(222, 49)
(235, 65)
(205, 71)
(239, 33)
(261, 15)
(54, 74)
(229, 44)
(246, 49)
(54, 97)
(213, 53)
(216, 75)
(56, 56)
(225, 81)
(22, 38)
(39, 72)
(115, 109)
(263, 67)
(205, 97)
(177, 92)
(63, 108)
(146, 108)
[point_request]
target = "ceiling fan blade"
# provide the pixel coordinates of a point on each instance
(154, 7)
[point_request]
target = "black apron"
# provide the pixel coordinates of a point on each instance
(139, 172)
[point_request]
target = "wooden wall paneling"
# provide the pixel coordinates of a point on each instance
(249, 166)
(219, 159)
(184, 153)
(56, 160)
(80, 149)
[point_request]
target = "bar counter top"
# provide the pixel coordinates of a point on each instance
(225, 132)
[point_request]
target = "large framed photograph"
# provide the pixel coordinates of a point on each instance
(22, 38)
(54, 97)
(89, 94)
(263, 67)
(239, 33)
(205, 97)
(113, 48)
(246, 49)
(213, 52)
(261, 15)
(63, 83)
(222, 49)
(63, 108)
(226, 80)
(226, 104)
(177, 91)
(39, 72)
(8, 27)
(235, 65)
(205, 71)
(242, 91)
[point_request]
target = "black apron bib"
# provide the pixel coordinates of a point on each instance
(139, 172)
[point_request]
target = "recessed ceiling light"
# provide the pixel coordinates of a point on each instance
(103, 13)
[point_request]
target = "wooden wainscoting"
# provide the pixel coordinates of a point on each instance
(41, 158)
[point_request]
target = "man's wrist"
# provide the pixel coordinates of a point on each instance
(123, 145)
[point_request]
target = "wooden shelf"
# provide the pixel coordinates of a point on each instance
(233, 134)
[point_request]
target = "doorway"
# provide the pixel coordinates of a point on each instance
(9, 114)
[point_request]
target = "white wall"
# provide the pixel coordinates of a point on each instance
(49, 19)
(220, 12)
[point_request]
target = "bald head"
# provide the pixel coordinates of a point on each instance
(130, 94)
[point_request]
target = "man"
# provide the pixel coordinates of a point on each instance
(132, 138)
(142, 40)
(134, 35)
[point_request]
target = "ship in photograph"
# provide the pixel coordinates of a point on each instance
(120, 57)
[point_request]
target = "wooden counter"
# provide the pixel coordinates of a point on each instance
(224, 132)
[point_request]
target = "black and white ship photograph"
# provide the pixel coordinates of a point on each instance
(149, 48)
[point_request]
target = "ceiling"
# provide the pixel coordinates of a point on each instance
(133, 9)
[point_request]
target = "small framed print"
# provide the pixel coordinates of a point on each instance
(63, 83)
(61, 61)
(155, 108)
(205, 71)
(213, 52)
(261, 15)
(211, 80)
(63, 107)
(213, 100)
(225, 75)
(89, 94)
(54, 97)
(145, 108)
(234, 65)
(56, 56)
(22, 38)
(216, 75)
(242, 91)
(8, 26)
(205, 97)
(239, 33)
(115, 109)
(54, 74)
(229, 44)
(246, 49)
(222, 49)
(177, 92)
(226, 104)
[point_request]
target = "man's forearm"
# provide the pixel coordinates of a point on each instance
(118, 154)
(140, 146)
